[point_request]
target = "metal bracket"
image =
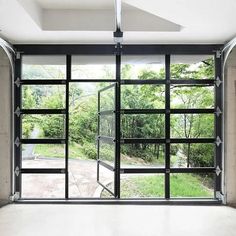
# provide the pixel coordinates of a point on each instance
(218, 170)
(17, 111)
(218, 141)
(14, 197)
(18, 55)
(17, 171)
(219, 195)
(218, 81)
(17, 142)
(218, 53)
(118, 49)
(167, 171)
(218, 112)
(17, 82)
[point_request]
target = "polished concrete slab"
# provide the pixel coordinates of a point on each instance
(117, 220)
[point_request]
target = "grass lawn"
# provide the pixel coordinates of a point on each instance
(181, 185)
(58, 150)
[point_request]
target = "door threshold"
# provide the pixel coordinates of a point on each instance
(122, 201)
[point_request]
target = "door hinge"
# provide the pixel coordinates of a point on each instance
(17, 171)
(218, 170)
(218, 112)
(218, 141)
(17, 82)
(218, 81)
(17, 111)
(17, 142)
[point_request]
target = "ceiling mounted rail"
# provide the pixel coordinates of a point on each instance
(8, 49)
(227, 49)
(118, 34)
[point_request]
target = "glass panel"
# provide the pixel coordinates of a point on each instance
(43, 126)
(43, 67)
(107, 99)
(83, 176)
(143, 96)
(83, 130)
(192, 126)
(93, 67)
(143, 67)
(43, 186)
(107, 153)
(142, 155)
(192, 97)
(192, 67)
(43, 96)
(107, 125)
(142, 186)
(192, 185)
(43, 156)
(106, 177)
(192, 155)
(143, 126)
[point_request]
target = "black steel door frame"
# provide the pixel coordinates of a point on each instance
(118, 52)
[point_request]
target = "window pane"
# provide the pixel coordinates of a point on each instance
(107, 125)
(192, 126)
(142, 155)
(106, 177)
(43, 96)
(142, 186)
(43, 67)
(107, 99)
(192, 67)
(107, 153)
(143, 67)
(143, 126)
(143, 96)
(192, 155)
(43, 156)
(43, 186)
(192, 97)
(43, 126)
(192, 185)
(93, 67)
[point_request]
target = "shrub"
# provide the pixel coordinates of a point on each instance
(89, 149)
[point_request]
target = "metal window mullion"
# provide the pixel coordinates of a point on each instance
(117, 122)
(17, 126)
(43, 82)
(68, 78)
(167, 126)
(218, 122)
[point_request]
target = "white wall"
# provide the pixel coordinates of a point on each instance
(5, 127)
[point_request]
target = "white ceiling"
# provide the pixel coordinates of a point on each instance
(92, 21)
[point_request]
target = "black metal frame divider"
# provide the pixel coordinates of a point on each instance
(118, 52)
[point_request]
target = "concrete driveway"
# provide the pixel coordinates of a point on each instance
(82, 179)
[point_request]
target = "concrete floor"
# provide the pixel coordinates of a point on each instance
(117, 220)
